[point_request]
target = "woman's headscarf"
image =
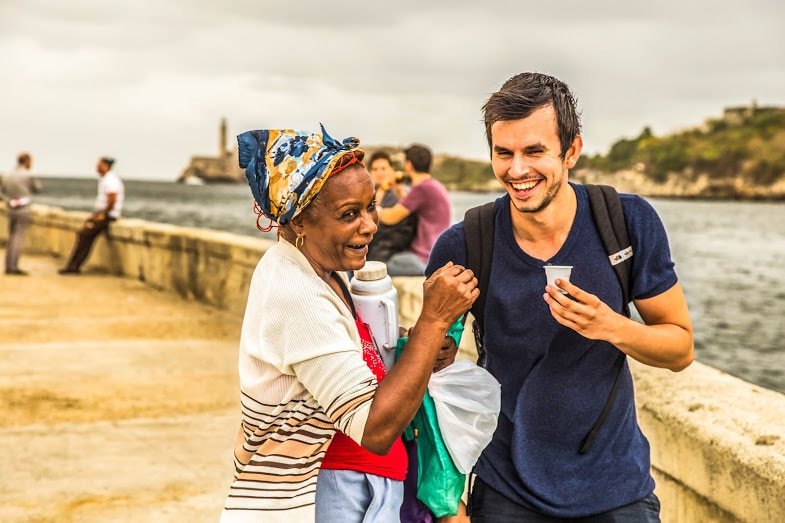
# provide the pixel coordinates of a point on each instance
(287, 168)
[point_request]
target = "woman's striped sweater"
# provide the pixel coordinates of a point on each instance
(302, 377)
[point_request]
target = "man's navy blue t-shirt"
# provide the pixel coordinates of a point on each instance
(555, 382)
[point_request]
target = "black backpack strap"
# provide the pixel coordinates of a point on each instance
(589, 439)
(478, 227)
(609, 218)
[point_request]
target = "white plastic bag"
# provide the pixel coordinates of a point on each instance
(467, 400)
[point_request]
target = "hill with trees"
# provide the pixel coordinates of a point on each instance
(740, 155)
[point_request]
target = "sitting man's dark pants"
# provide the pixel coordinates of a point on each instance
(91, 229)
(488, 506)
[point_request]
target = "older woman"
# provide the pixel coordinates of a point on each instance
(305, 366)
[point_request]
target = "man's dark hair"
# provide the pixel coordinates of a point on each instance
(420, 156)
(108, 161)
(523, 94)
(379, 155)
(23, 159)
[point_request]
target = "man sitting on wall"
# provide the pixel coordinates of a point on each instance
(428, 199)
(108, 204)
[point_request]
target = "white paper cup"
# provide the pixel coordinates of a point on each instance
(554, 272)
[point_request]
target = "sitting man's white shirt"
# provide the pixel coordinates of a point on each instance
(110, 183)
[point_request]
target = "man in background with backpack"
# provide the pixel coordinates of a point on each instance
(568, 443)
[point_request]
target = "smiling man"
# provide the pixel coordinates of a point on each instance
(554, 354)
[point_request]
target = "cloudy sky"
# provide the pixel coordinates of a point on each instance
(148, 80)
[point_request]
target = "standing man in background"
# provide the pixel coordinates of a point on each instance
(16, 189)
(108, 204)
(429, 200)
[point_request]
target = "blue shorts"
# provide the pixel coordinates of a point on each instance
(347, 496)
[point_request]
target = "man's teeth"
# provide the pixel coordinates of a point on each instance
(524, 186)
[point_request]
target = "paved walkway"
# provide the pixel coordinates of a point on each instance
(117, 402)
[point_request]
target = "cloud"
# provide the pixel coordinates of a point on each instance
(149, 80)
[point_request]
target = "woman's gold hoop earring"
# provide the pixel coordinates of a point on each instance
(298, 242)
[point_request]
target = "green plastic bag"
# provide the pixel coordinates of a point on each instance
(439, 483)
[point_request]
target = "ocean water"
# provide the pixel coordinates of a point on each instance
(730, 258)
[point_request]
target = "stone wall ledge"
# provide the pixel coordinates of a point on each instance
(715, 436)
(211, 266)
(718, 442)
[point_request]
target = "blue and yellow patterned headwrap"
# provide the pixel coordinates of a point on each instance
(287, 168)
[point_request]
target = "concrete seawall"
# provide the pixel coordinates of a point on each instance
(718, 443)
(211, 266)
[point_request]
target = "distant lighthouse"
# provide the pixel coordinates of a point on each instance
(222, 139)
(223, 168)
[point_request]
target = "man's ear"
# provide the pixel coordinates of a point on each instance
(574, 152)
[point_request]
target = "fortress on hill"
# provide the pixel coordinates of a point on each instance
(223, 168)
